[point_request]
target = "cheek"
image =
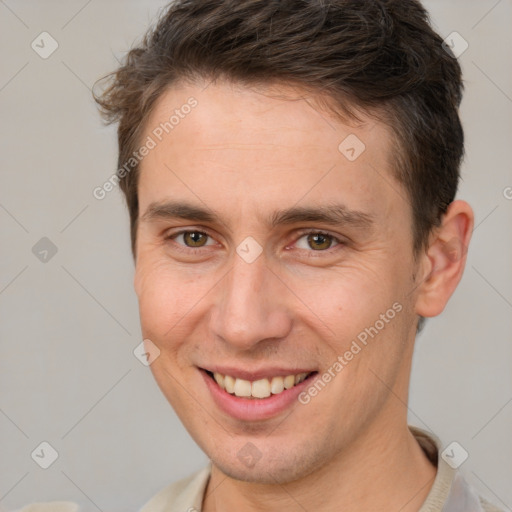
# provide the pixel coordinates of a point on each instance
(346, 294)
(358, 301)
(172, 299)
(163, 297)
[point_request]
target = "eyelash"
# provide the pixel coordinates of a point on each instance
(301, 234)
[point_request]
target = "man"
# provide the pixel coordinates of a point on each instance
(290, 169)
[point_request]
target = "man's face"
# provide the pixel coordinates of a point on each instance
(237, 272)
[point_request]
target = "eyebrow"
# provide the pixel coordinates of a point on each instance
(334, 214)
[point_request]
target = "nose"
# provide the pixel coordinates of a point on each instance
(251, 306)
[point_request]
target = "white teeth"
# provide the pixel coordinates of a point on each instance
(261, 388)
(219, 379)
(300, 377)
(242, 387)
(229, 384)
(277, 385)
(289, 381)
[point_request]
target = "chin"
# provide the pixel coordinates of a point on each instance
(260, 475)
(272, 468)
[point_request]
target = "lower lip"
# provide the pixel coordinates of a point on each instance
(254, 409)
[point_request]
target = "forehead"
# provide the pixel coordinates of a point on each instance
(252, 148)
(275, 113)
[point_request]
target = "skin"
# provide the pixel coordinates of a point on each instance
(245, 153)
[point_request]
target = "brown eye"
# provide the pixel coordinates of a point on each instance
(319, 241)
(191, 242)
(194, 238)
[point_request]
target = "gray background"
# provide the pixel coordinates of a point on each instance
(69, 325)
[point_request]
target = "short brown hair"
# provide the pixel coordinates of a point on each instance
(378, 56)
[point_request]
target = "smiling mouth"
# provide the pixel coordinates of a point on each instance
(259, 389)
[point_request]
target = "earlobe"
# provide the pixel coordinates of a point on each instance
(445, 259)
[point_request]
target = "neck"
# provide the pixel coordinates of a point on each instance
(385, 469)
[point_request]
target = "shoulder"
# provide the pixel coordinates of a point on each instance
(450, 489)
(183, 495)
(489, 507)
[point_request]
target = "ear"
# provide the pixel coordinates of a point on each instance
(444, 261)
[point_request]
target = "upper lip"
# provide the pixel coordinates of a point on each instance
(257, 374)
